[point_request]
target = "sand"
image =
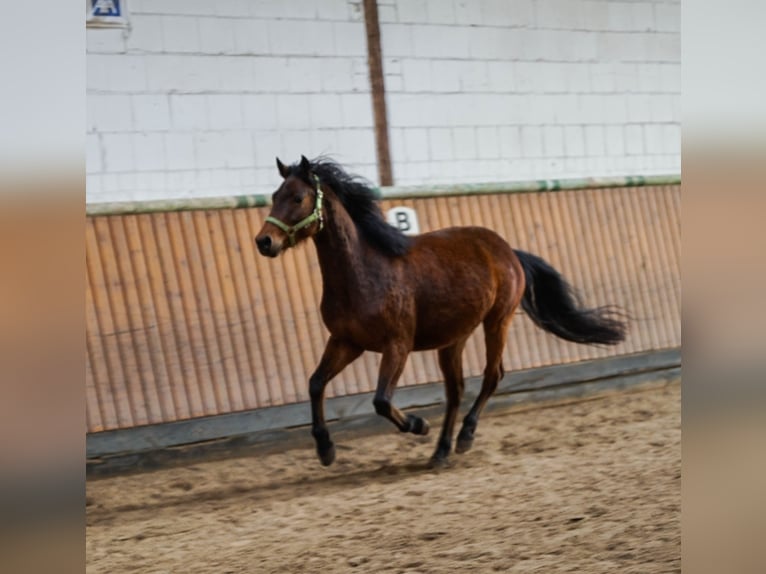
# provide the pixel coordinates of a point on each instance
(581, 486)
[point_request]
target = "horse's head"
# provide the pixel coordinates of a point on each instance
(296, 212)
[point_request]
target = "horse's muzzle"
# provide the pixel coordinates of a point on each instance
(266, 246)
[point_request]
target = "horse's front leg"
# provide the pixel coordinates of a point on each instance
(337, 355)
(391, 367)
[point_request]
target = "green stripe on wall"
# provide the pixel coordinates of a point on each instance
(395, 192)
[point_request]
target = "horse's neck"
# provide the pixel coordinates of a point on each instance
(343, 259)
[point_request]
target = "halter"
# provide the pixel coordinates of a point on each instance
(315, 215)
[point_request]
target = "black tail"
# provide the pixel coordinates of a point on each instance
(554, 306)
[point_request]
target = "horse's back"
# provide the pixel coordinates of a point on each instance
(477, 245)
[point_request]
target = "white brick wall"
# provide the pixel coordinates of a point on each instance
(538, 88)
(197, 97)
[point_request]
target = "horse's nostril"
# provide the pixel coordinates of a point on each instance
(263, 243)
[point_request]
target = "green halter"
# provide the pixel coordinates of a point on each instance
(316, 215)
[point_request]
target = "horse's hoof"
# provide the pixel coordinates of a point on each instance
(438, 462)
(327, 456)
(463, 445)
(419, 426)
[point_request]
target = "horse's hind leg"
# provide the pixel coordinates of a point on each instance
(337, 355)
(494, 334)
(451, 364)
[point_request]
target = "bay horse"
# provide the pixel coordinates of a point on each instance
(393, 294)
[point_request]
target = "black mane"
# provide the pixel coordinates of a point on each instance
(361, 203)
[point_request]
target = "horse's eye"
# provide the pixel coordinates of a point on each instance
(298, 199)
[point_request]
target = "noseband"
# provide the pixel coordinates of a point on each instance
(316, 215)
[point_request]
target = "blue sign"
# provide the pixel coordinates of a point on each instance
(106, 8)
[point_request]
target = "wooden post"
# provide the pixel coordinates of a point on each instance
(375, 66)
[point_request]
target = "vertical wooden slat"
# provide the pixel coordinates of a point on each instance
(644, 322)
(181, 336)
(607, 207)
(207, 245)
(663, 288)
(209, 371)
(169, 362)
(240, 309)
(667, 279)
(672, 204)
(144, 381)
(107, 362)
(647, 272)
(272, 323)
(219, 276)
(99, 407)
(636, 303)
(93, 400)
(118, 329)
(658, 307)
(147, 328)
(667, 205)
(267, 369)
(596, 259)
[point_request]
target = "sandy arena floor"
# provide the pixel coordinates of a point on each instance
(588, 486)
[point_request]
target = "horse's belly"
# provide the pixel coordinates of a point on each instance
(443, 325)
(370, 334)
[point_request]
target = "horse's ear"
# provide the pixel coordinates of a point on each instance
(283, 171)
(305, 165)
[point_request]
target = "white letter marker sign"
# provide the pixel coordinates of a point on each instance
(404, 219)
